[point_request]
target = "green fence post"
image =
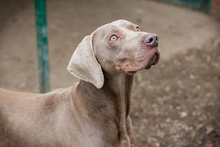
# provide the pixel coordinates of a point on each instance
(42, 47)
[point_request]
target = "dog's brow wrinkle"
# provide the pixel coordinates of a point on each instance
(115, 31)
(130, 27)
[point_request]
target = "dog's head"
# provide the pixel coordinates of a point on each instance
(116, 47)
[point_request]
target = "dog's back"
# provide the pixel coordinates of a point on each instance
(29, 119)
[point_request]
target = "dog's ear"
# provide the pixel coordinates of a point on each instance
(84, 65)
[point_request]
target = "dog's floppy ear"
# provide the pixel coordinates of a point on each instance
(83, 63)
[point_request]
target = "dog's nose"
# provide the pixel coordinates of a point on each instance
(151, 40)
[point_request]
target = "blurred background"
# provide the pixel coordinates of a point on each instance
(176, 103)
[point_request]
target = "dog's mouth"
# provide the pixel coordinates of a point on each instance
(153, 61)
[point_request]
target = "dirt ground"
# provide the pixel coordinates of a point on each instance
(180, 104)
(176, 103)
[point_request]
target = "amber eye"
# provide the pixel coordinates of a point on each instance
(138, 29)
(114, 38)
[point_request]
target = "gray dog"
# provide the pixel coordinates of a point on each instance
(93, 112)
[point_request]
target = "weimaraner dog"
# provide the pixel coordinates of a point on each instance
(93, 112)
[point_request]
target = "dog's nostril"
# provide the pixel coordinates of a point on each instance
(150, 40)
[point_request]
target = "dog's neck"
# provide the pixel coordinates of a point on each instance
(117, 89)
(121, 85)
(110, 104)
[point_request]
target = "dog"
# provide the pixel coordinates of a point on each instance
(93, 112)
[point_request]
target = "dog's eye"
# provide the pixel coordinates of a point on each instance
(114, 38)
(138, 29)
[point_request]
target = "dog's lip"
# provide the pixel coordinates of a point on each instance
(131, 72)
(153, 61)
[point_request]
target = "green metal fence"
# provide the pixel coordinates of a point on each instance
(42, 47)
(194, 4)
